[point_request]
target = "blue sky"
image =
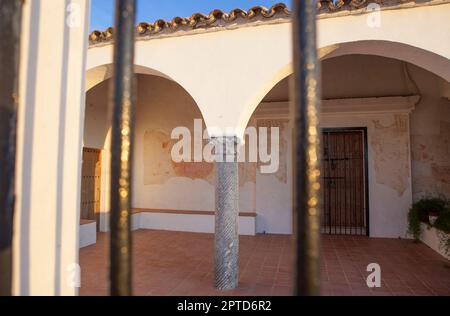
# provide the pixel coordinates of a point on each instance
(151, 10)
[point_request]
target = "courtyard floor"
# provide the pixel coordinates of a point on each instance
(178, 263)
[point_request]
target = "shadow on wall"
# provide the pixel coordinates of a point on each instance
(27, 150)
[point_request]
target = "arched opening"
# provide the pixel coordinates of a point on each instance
(272, 194)
(166, 195)
(429, 60)
(402, 112)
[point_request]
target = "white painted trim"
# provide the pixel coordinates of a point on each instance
(88, 234)
(190, 223)
(182, 222)
(273, 110)
(372, 105)
(376, 105)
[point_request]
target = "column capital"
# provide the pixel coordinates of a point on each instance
(226, 148)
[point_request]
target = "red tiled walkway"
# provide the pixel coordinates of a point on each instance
(177, 263)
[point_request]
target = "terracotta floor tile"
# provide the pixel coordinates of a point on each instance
(178, 263)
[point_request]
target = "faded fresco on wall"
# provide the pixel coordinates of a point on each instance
(432, 154)
(390, 144)
(159, 166)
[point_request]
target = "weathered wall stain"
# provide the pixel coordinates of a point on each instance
(441, 173)
(432, 153)
(247, 173)
(193, 170)
(432, 148)
(282, 124)
(159, 166)
(390, 146)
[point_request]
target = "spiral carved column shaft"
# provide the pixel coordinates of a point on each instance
(227, 214)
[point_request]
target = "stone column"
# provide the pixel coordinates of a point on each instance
(227, 213)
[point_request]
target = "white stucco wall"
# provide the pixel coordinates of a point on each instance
(162, 106)
(49, 138)
(229, 100)
(430, 138)
(97, 116)
(227, 77)
(274, 191)
(222, 100)
(161, 101)
(363, 76)
(388, 141)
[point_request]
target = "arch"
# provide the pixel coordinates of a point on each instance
(160, 83)
(228, 72)
(102, 70)
(98, 74)
(100, 61)
(427, 60)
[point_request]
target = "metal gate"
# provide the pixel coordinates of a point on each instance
(307, 92)
(345, 209)
(90, 185)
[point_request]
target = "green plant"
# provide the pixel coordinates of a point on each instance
(414, 222)
(420, 211)
(443, 221)
(443, 224)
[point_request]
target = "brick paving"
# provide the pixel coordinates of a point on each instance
(179, 263)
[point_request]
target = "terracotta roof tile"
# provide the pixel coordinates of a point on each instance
(220, 18)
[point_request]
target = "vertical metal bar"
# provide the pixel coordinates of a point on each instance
(346, 225)
(335, 181)
(361, 177)
(10, 24)
(355, 196)
(365, 163)
(360, 182)
(352, 191)
(123, 100)
(324, 219)
(355, 201)
(341, 183)
(307, 152)
(329, 175)
(336, 175)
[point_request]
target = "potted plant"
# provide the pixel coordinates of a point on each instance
(426, 210)
(443, 224)
(432, 217)
(435, 214)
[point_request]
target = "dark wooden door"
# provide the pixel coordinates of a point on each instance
(344, 182)
(90, 185)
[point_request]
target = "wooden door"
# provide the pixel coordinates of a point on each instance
(344, 182)
(90, 185)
